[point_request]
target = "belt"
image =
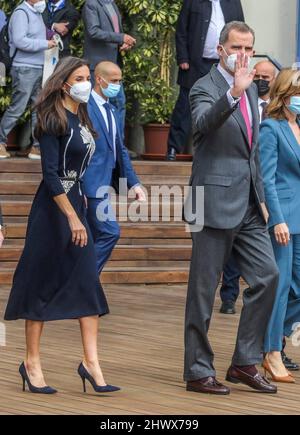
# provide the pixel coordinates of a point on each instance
(74, 180)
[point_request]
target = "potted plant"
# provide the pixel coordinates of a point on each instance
(148, 67)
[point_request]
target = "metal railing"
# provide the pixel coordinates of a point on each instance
(270, 59)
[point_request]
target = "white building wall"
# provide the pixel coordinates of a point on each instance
(275, 25)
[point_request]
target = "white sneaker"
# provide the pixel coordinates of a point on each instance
(3, 153)
(34, 153)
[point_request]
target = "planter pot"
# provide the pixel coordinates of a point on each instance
(12, 138)
(156, 138)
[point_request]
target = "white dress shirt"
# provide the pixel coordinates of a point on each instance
(232, 101)
(100, 103)
(260, 106)
(216, 24)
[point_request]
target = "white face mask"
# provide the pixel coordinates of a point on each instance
(80, 92)
(231, 59)
(40, 6)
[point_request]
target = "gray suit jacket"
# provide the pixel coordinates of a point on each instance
(223, 162)
(101, 42)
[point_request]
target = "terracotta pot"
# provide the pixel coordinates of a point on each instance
(156, 138)
(12, 138)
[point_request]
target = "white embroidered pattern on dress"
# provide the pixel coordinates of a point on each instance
(68, 184)
(89, 141)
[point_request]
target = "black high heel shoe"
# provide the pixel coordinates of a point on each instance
(32, 388)
(84, 374)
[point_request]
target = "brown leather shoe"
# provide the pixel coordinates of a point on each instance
(207, 386)
(237, 376)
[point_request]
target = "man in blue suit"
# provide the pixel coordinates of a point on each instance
(109, 163)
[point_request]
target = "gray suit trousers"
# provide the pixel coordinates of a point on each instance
(250, 244)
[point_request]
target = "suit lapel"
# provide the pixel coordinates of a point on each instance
(119, 139)
(225, 10)
(99, 117)
(237, 114)
(105, 10)
(292, 141)
(253, 100)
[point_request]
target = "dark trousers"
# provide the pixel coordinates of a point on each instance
(105, 233)
(181, 120)
(250, 243)
(231, 281)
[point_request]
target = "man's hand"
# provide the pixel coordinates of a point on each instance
(140, 194)
(282, 234)
(52, 43)
(242, 77)
(1, 238)
(126, 47)
(184, 66)
(61, 28)
(129, 40)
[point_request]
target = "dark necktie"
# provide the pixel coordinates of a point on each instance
(52, 9)
(263, 105)
(109, 118)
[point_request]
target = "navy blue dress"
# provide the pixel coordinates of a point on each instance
(55, 279)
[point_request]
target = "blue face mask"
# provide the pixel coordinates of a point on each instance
(294, 105)
(112, 89)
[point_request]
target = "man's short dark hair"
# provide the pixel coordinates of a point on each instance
(239, 26)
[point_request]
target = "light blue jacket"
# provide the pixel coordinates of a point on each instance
(27, 34)
(103, 170)
(280, 164)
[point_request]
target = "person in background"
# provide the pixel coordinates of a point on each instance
(109, 163)
(264, 79)
(280, 162)
(2, 19)
(28, 41)
(62, 17)
(197, 36)
(104, 40)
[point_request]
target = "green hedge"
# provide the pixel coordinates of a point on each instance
(148, 67)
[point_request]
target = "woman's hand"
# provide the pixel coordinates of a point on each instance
(1, 238)
(140, 194)
(282, 234)
(79, 234)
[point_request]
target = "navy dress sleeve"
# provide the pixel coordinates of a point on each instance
(50, 164)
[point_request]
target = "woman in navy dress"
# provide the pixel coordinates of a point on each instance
(56, 277)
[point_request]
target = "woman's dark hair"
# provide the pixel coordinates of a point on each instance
(51, 114)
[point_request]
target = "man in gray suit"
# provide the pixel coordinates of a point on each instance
(104, 40)
(226, 162)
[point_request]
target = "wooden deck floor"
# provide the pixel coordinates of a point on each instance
(142, 351)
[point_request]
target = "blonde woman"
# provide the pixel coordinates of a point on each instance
(280, 161)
